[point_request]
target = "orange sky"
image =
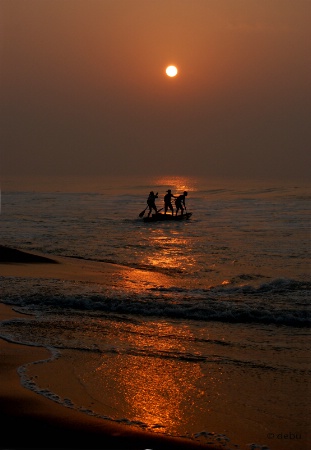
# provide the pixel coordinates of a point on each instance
(84, 90)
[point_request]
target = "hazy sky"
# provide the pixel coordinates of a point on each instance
(84, 89)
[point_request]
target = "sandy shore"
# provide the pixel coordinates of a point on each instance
(29, 420)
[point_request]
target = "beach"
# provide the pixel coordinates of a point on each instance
(190, 333)
(29, 420)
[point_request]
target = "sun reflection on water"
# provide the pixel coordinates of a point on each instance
(172, 252)
(177, 184)
(158, 390)
(154, 384)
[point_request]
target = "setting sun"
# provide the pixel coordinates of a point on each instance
(171, 71)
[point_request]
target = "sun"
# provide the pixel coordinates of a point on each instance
(171, 71)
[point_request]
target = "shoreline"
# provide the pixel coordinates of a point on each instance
(13, 255)
(30, 420)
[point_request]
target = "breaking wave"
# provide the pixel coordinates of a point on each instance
(279, 302)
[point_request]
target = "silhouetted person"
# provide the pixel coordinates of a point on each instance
(151, 202)
(180, 202)
(168, 201)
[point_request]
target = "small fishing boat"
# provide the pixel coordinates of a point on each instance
(167, 217)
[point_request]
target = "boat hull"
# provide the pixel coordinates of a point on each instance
(167, 217)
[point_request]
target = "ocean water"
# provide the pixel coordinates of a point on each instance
(205, 331)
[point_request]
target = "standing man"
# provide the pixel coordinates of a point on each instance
(180, 203)
(168, 201)
(151, 202)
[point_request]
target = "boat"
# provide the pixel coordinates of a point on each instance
(160, 217)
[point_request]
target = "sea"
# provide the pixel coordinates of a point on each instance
(204, 333)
